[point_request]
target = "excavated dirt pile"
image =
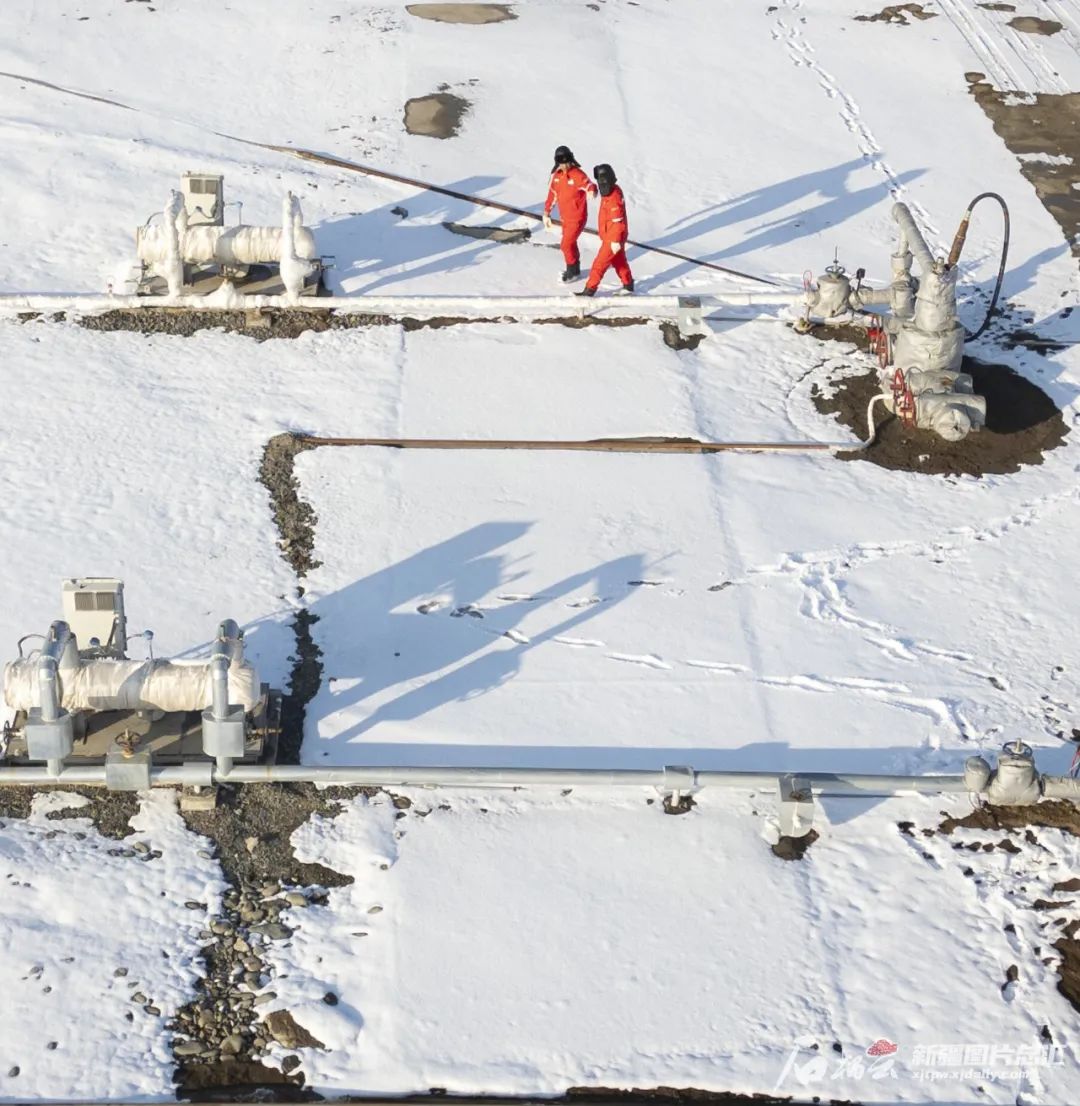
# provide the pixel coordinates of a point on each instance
(1022, 425)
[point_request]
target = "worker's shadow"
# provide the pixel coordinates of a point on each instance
(441, 626)
(823, 199)
(379, 248)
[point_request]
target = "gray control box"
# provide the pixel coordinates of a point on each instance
(127, 773)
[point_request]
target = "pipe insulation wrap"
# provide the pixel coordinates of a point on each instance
(106, 684)
(486, 307)
(242, 245)
(929, 351)
(295, 269)
(935, 302)
(912, 239)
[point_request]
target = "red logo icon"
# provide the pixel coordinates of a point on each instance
(882, 1047)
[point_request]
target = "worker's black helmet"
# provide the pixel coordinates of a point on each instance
(605, 178)
(564, 158)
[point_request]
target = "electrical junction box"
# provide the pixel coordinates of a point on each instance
(127, 772)
(53, 740)
(204, 199)
(94, 609)
(224, 737)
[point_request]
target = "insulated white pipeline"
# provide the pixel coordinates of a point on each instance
(47, 668)
(172, 267)
(911, 238)
(93, 775)
(1061, 787)
(870, 419)
(219, 685)
(478, 306)
(683, 779)
(227, 647)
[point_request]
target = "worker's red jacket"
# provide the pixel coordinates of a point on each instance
(568, 189)
(612, 217)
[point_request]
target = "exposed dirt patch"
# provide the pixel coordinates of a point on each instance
(1034, 126)
(898, 13)
(1068, 945)
(15, 802)
(110, 811)
(675, 340)
(472, 14)
(1030, 25)
(221, 1035)
(1057, 814)
(1051, 813)
(436, 116)
(993, 7)
(276, 322)
(294, 517)
(1030, 340)
(295, 520)
(183, 322)
(244, 1081)
(794, 848)
(288, 1033)
(1022, 424)
(304, 681)
(269, 813)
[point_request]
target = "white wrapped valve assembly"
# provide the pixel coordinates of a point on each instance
(107, 684)
(1014, 782)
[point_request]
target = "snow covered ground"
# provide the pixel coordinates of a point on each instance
(590, 940)
(100, 942)
(726, 611)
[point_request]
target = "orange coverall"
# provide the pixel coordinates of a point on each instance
(612, 226)
(568, 189)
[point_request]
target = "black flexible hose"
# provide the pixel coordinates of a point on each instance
(1004, 255)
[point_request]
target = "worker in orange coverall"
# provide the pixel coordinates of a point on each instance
(613, 231)
(568, 188)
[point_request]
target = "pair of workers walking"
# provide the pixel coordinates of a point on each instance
(569, 190)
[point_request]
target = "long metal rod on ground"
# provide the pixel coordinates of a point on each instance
(497, 205)
(203, 773)
(596, 445)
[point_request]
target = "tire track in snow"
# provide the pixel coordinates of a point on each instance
(1065, 12)
(801, 53)
(1014, 63)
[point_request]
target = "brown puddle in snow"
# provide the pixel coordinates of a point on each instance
(472, 14)
(436, 116)
(1043, 124)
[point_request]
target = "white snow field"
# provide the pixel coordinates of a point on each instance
(591, 940)
(733, 611)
